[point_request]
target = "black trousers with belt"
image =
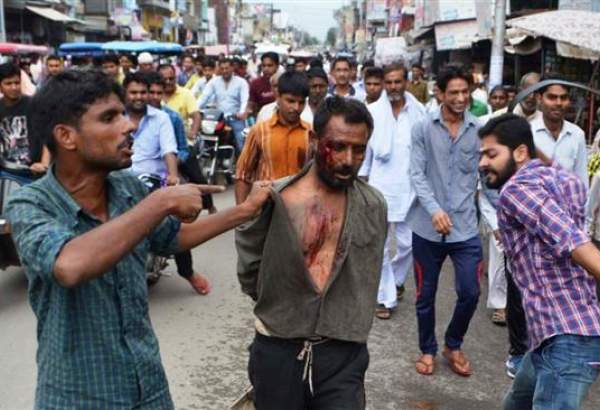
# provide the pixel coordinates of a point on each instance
(338, 374)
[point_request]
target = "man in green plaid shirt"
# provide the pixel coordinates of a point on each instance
(83, 233)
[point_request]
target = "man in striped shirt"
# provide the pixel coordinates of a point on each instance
(541, 219)
(277, 147)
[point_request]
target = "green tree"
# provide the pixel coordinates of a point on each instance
(331, 38)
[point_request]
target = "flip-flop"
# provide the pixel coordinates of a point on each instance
(424, 368)
(459, 365)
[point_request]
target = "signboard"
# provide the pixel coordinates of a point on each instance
(376, 10)
(456, 35)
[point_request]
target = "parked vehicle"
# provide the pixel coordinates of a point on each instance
(155, 264)
(9, 181)
(216, 151)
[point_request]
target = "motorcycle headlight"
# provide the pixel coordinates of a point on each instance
(209, 126)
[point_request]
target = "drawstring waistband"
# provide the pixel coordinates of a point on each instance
(306, 355)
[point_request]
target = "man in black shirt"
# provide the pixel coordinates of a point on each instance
(18, 149)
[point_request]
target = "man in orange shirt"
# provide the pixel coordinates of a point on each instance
(277, 147)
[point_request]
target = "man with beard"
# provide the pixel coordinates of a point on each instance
(386, 169)
(84, 232)
(155, 150)
(443, 170)
(311, 261)
(503, 295)
(541, 219)
(557, 138)
(279, 146)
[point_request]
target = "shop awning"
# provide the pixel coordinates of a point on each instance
(573, 28)
(51, 14)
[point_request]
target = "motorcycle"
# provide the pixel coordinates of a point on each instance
(9, 181)
(215, 147)
(155, 264)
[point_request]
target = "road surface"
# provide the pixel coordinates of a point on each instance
(204, 343)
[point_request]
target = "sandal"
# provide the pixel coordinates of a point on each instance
(423, 367)
(383, 313)
(499, 317)
(458, 362)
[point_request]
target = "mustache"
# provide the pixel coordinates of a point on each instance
(127, 143)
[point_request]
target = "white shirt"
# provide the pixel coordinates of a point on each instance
(569, 149)
(391, 177)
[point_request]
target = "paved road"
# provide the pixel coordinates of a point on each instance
(204, 340)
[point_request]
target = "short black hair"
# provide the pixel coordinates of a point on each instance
(550, 77)
(353, 112)
(65, 98)
(110, 58)
(271, 55)
(368, 63)
(498, 88)
(316, 62)
(294, 83)
(209, 62)
(397, 66)
(183, 57)
(376, 72)
(226, 60)
(53, 57)
(137, 77)
(164, 66)
(317, 72)
(417, 65)
(8, 70)
(154, 78)
(451, 72)
(510, 130)
(132, 59)
(340, 60)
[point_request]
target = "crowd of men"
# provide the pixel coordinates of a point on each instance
(349, 181)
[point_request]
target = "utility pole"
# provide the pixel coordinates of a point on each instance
(497, 59)
(2, 25)
(273, 11)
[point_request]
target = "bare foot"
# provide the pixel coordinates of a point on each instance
(200, 283)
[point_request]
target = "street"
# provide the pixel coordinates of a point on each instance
(204, 344)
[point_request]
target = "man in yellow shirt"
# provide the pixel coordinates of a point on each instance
(181, 100)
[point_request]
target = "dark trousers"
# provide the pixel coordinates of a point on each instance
(191, 171)
(515, 316)
(429, 256)
(338, 374)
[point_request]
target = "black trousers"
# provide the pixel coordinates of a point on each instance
(338, 374)
(515, 316)
(191, 170)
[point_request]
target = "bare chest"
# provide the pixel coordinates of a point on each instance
(318, 223)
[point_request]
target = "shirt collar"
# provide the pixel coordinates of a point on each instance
(275, 119)
(539, 125)
(351, 93)
(468, 117)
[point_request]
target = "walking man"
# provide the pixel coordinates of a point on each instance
(443, 170)
(387, 169)
(83, 233)
(311, 261)
(541, 218)
(279, 146)
(341, 72)
(373, 84)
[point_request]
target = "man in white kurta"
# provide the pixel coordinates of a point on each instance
(386, 166)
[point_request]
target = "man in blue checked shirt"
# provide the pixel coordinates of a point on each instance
(541, 217)
(83, 233)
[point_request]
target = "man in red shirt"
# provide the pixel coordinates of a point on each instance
(260, 88)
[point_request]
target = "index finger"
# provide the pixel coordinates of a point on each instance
(210, 189)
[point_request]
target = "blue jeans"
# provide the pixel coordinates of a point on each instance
(238, 127)
(428, 257)
(557, 375)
